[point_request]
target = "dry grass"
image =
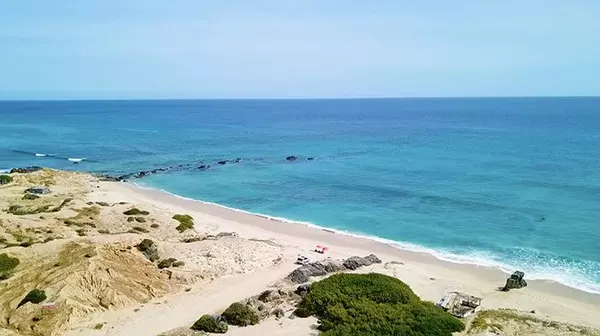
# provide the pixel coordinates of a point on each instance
(497, 321)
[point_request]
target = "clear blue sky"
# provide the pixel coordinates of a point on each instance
(220, 49)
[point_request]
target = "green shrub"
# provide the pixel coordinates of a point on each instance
(178, 263)
(5, 179)
(35, 296)
(149, 249)
(155, 226)
(140, 219)
(373, 305)
(209, 324)
(130, 219)
(7, 265)
(240, 315)
(136, 212)
(186, 222)
(166, 263)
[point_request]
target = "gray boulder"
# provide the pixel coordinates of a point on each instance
(353, 263)
(25, 170)
(38, 190)
(320, 268)
(303, 289)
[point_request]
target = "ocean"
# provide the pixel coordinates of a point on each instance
(512, 183)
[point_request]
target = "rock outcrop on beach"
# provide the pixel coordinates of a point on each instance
(25, 170)
(320, 268)
(39, 190)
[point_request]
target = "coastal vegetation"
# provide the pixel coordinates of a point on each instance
(136, 212)
(7, 265)
(34, 296)
(5, 179)
(239, 314)
(186, 222)
(499, 321)
(373, 305)
(148, 249)
(19, 210)
(209, 324)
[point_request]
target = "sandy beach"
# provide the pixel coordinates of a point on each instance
(247, 255)
(429, 277)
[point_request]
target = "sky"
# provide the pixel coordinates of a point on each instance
(128, 49)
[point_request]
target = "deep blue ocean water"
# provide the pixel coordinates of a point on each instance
(513, 183)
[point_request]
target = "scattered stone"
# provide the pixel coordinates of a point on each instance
(353, 263)
(38, 190)
(268, 296)
(310, 158)
(291, 158)
(26, 170)
(319, 268)
(303, 289)
(104, 204)
(204, 167)
(278, 313)
(223, 162)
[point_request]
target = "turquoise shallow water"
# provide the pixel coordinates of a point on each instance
(512, 183)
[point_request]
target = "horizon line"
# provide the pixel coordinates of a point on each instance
(291, 98)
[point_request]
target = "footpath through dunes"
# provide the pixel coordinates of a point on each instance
(87, 257)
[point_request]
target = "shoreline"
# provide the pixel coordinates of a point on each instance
(253, 224)
(408, 247)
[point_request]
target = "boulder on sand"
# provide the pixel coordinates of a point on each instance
(38, 190)
(25, 170)
(319, 268)
(353, 263)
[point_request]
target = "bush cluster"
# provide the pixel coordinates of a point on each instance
(35, 296)
(7, 265)
(149, 249)
(373, 305)
(136, 212)
(240, 314)
(5, 179)
(209, 324)
(186, 222)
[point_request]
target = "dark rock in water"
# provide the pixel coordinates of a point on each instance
(319, 268)
(291, 158)
(223, 162)
(353, 263)
(25, 170)
(310, 158)
(204, 167)
(38, 190)
(237, 160)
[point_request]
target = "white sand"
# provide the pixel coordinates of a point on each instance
(429, 277)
